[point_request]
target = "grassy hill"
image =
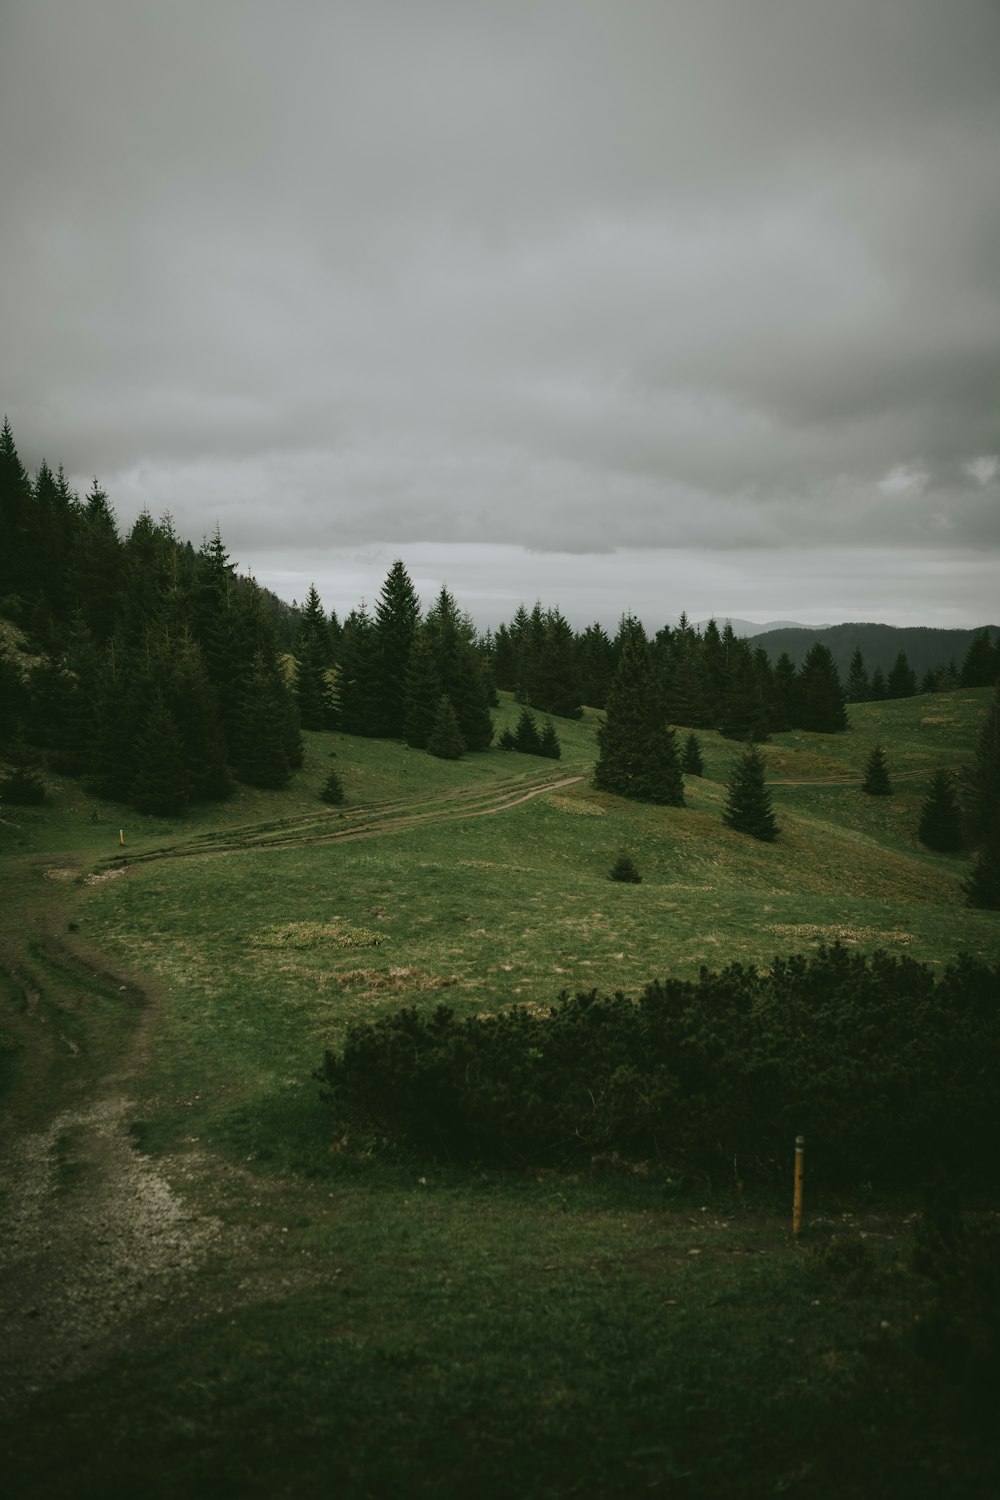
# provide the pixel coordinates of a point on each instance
(241, 1308)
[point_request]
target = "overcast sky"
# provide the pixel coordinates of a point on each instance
(620, 304)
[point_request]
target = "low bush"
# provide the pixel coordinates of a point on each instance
(883, 1064)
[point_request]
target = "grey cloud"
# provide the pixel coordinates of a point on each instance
(571, 276)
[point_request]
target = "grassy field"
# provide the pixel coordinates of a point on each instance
(397, 1329)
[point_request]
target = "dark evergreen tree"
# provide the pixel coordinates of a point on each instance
(713, 674)
(161, 784)
(902, 680)
(506, 740)
(549, 745)
(526, 736)
(876, 782)
(397, 616)
(638, 751)
(549, 676)
(14, 699)
(595, 665)
(446, 738)
(357, 675)
(784, 694)
(691, 761)
(194, 706)
(929, 681)
(451, 638)
(940, 825)
(16, 507)
(685, 693)
(313, 663)
(858, 686)
(624, 870)
(333, 790)
(981, 665)
(422, 692)
(981, 789)
(819, 704)
(982, 888)
(877, 689)
(263, 755)
(748, 801)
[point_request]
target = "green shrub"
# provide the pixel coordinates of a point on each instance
(624, 869)
(882, 1064)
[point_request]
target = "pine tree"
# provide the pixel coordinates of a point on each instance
(16, 507)
(333, 790)
(357, 675)
(506, 740)
(940, 825)
(638, 751)
(748, 801)
(526, 736)
(549, 745)
(624, 869)
(981, 665)
(876, 782)
(262, 756)
(451, 639)
(397, 616)
(858, 686)
(691, 761)
(902, 680)
(819, 700)
(877, 689)
(422, 693)
(313, 661)
(982, 888)
(161, 784)
(784, 694)
(446, 738)
(981, 790)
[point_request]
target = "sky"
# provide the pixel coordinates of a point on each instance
(624, 305)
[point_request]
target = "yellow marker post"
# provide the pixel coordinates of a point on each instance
(121, 837)
(800, 1157)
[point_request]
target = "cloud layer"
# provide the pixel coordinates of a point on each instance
(572, 279)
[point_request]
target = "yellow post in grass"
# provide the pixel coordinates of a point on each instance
(800, 1156)
(121, 836)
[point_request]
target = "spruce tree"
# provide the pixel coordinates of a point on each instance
(357, 675)
(691, 761)
(397, 616)
(624, 869)
(333, 790)
(877, 690)
(313, 661)
(981, 790)
(161, 784)
(549, 745)
(819, 704)
(748, 801)
(446, 738)
(858, 686)
(940, 825)
(981, 665)
(506, 739)
(982, 888)
(637, 749)
(526, 736)
(902, 680)
(422, 693)
(876, 782)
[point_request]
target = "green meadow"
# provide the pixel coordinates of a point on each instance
(393, 1327)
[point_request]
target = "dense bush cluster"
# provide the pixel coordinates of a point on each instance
(887, 1067)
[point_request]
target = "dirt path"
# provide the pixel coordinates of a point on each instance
(99, 1252)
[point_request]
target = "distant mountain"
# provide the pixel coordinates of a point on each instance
(925, 647)
(751, 627)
